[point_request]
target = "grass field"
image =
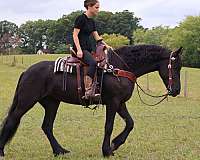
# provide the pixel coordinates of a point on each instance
(169, 131)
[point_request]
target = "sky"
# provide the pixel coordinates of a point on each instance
(152, 12)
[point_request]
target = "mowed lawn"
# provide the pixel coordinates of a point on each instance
(169, 131)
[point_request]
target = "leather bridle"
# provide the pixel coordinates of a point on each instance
(170, 80)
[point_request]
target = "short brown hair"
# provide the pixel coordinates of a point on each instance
(90, 3)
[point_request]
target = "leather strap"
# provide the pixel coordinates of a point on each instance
(79, 80)
(126, 74)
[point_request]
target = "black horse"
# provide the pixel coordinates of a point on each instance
(40, 84)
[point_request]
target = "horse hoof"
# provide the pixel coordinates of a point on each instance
(60, 152)
(108, 154)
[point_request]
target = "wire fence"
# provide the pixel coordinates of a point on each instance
(25, 61)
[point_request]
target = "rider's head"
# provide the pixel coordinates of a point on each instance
(92, 6)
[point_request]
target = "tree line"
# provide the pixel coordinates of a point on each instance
(55, 34)
(186, 34)
(117, 29)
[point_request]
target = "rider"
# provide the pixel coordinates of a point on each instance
(85, 26)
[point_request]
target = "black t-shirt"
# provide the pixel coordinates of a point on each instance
(86, 26)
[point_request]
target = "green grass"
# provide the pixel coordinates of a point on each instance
(169, 131)
(25, 61)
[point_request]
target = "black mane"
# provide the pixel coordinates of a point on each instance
(139, 55)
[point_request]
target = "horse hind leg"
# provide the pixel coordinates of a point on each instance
(51, 106)
(12, 121)
(22, 102)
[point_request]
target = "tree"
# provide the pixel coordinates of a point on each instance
(187, 35)
(157, 35)
(124, 23)
(103, 21)
(33, 34)
(9, 37)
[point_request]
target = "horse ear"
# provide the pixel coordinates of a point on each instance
(178, 51)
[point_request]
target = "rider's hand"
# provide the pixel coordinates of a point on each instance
(107, 46)
(79, 54)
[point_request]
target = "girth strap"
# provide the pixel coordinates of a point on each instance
(79, 80)
(126, 74)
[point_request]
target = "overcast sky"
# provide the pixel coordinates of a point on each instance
(152, 12)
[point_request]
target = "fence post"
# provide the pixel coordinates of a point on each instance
(147, 82)
(22, 60)
(185, 84)
(2, 58)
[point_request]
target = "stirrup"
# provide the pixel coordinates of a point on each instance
(97, 95)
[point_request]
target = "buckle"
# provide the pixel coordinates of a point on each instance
(115, 72)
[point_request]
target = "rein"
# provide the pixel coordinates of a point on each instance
(171, 58)
(139, 87)
(120, 58)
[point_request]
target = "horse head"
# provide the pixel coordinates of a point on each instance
(169, 70)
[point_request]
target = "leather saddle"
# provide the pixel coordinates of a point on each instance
(99, 56)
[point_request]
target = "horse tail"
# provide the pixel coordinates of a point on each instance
(15, 99)
(7, 132)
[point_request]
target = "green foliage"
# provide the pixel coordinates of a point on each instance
(124, 23)
(156, 35)
(115, 40)
(9, 36)
(103, 21)
(62, 49)
(188, 36)
(56, 33)
(34, 35)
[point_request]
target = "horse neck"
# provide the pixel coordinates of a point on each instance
(141, 63)
(140, 71)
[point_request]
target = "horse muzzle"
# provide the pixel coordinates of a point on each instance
(173, 93)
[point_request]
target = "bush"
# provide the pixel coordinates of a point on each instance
(115, 40)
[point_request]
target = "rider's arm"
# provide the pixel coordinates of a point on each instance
(77, 43)
(75, 38)
(99, 38)
(96, 36)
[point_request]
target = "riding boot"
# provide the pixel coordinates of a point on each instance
(89, 88)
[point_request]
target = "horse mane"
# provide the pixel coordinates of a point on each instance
(136, 55)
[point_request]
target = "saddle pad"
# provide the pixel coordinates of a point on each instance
(59, 64)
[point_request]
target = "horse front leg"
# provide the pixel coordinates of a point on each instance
(110, 116)
(121, 138)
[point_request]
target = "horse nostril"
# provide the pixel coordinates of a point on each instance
(169, 92)
(178, 91)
